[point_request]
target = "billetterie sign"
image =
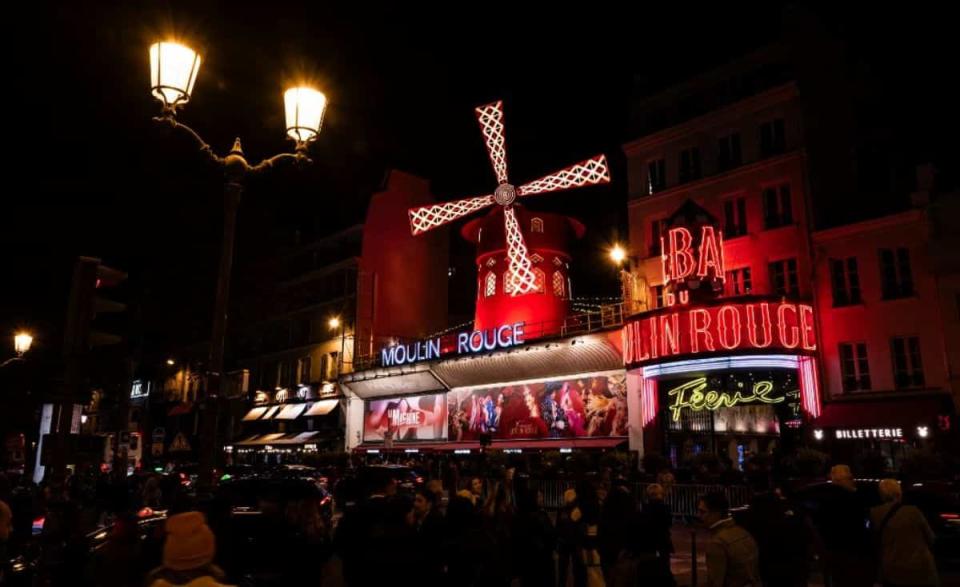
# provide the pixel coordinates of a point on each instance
(477, 341)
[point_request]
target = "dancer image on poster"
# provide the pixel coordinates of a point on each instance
(572, 406)
(553, 416)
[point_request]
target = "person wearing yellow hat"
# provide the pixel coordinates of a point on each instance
(187, 554)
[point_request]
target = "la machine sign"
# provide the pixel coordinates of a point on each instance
(490, 339)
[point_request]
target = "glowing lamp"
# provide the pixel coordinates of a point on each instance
(22, 342)
(923, 431)
(304, 107)
(171, 362)
(173, 71)
(334, 323)
(617, 254)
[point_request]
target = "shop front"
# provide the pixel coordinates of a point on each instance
(731, 378)
(559, 394)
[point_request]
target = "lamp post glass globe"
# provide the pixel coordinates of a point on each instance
(173, 71)
(617, 254)
(304, 108)
(334, 323)
(22, 342)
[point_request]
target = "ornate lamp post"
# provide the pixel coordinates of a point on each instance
(173, 72)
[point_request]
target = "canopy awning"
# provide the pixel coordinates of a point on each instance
(271, 412)
(290, 411)
(322, 407)
(904, 411)
(277, 438)
(254, 414)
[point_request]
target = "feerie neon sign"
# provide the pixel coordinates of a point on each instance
(477, 341)
(691, 395)
(734, 326)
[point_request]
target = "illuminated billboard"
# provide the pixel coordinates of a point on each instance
(403, 419)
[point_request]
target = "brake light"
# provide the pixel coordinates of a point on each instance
(419, 479)
(946, 516)
(145, 513)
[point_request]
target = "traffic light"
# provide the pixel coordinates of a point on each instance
(91, 281)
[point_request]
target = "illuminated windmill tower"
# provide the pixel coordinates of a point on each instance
(522, 259)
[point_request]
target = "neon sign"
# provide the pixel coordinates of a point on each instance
(857, 433)
(734, 326)
(678, 259)
(477, 341)
(691, 395)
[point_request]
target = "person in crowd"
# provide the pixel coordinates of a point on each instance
(658, 520)
(536, 538)
(360, 534)
(118, 563)
(732, 554)
(187, 554)
(471, 551)
(430, 529)
(841, 523)
(783, 538)
(476, 488)
(6, 529)
(569, 533)
(436, 488)
(617, 521)
(152, 496)
(904, 538)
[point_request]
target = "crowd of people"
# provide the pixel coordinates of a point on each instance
(475, 531)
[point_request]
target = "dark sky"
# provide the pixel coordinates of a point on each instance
(93, 175)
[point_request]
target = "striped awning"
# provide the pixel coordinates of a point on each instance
(322, 407)
(290, 411)
(255, 414)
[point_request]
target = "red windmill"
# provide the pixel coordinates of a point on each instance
(520, 275)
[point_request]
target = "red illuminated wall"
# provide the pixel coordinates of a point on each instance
(547, 237)
(403, 289)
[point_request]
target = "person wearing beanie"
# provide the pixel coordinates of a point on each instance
(187, 554)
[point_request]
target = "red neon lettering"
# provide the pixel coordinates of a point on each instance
(684, 297)
(682, 263)
(729, 320)
(794, 339)
(695, 330)
(640, 352)
(654, 349)
(669, 299)
(764, 324)
(806, 327)
(626, 343)
(670, 325)
(709, 254)
(723, 264)
(663, 261)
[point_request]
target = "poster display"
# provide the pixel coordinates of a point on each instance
(588, 406)
(404, 419)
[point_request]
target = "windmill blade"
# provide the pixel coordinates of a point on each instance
(590, 172)
(521, 279)
(490, 117)
(429, 217)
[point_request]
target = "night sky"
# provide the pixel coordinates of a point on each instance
(95, 177)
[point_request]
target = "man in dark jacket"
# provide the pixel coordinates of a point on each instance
(732, 555)
(842, 525)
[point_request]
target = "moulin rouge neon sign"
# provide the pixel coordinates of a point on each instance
(691, 395)
(490, 339)
(719, 328)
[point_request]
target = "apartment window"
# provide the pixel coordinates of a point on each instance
(907, 365)
(777, 206)
(854, 369)
(845, 279)
(735, 217)
(658, 295)
(656, 233)
(656, 175)
(728, 151)
(738, 282)
(490, 288)
(773, 140)
(303, 368)
(783, 278)
(896, 277)
(536, 225)
(690, 164)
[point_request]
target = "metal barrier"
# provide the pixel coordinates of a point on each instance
(682, 498)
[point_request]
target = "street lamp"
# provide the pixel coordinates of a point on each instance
(334, 323)
(22, 342)
(173, 73)
(617, 254)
